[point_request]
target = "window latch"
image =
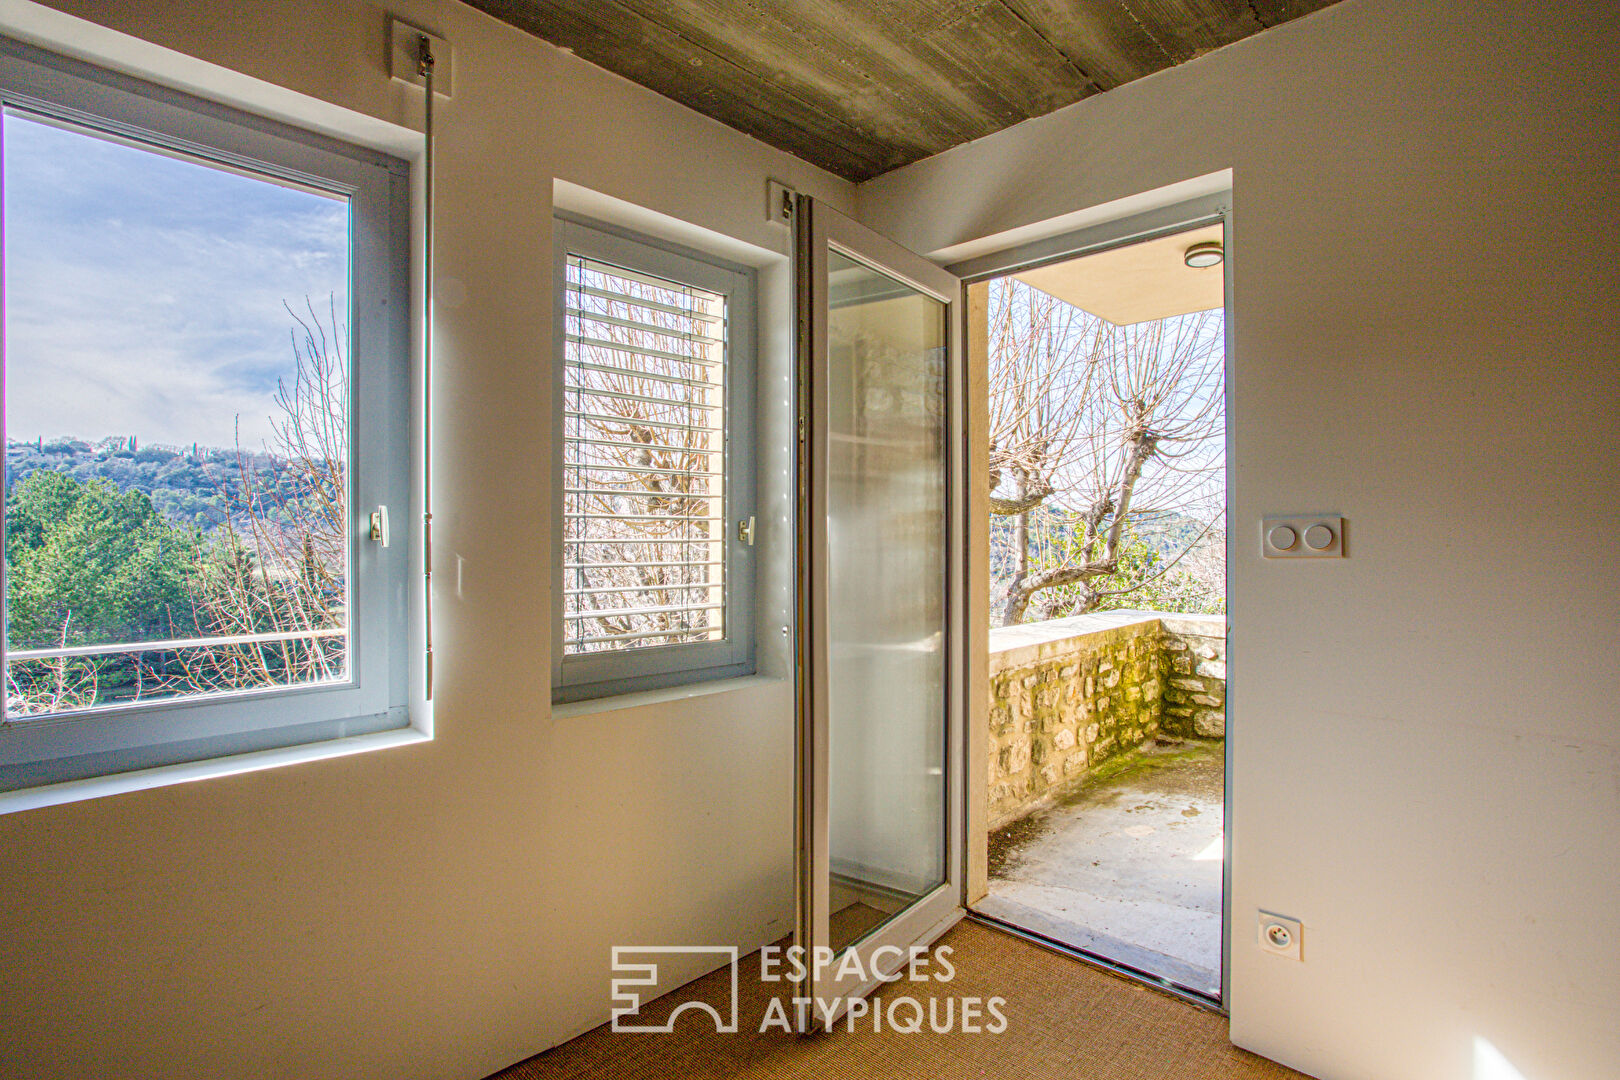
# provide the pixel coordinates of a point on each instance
(379, 525)
(745, 531)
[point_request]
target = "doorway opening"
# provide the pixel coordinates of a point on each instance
(1099, 462)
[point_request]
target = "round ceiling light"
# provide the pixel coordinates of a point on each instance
(1208, 253)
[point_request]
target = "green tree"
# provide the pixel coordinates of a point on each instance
(1151, 572)
(87, 563)
(93, 560)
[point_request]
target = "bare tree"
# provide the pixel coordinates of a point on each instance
(1109, 425)
(643, 496)
(278, 563)
(56, 684)
(1040, 363)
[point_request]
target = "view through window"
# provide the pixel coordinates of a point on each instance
(176, 425)
(644, 425)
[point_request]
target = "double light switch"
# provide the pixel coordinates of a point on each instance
(1311, 536)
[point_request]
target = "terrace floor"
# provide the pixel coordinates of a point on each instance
(1128, 867)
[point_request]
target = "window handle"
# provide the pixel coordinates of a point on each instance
(745, 531)
(379, 525)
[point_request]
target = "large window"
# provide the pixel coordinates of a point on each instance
(655, 518)
(206, 404)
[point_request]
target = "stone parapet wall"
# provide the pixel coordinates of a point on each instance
(1068, 694)
(1195, 684)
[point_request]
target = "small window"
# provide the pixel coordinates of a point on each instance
(654, 472)
(191, 298)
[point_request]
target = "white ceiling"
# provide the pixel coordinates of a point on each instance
(1137, 282)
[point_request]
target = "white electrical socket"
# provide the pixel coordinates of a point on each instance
(1282, 936)
(404, 49)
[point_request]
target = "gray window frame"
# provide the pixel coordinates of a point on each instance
(610, 674)
(118, 739)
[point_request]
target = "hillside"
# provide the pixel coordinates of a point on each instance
(188, 485)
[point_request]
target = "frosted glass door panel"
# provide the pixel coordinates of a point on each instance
(886, 580)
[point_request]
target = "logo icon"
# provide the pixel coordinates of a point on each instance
(631, 975)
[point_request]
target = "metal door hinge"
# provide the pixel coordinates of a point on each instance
(779, 202)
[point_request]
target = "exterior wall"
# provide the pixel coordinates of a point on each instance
(1068, 694)
(1426, 341)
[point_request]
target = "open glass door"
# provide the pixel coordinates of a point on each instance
(879, 595)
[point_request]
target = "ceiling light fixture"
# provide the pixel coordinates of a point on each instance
(1208, 253)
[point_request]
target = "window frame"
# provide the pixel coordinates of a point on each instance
(116, 739)
(582, 677)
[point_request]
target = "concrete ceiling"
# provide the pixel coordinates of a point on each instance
(860, 87)
(1137, 282)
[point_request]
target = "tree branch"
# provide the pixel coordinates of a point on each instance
(1021, 504)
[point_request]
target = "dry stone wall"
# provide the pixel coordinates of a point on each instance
(1195, 680)
(1068, 694)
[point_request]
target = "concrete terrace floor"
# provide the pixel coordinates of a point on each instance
(1127, 867)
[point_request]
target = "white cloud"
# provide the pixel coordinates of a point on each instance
(144, 295)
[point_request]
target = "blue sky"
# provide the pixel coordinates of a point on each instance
(143, 293)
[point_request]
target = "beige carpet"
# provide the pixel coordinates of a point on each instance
(1064, 1019)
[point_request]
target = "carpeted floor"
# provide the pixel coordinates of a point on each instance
(1064, 1019)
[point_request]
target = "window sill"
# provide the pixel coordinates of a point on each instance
(621, 702)
(139, 780)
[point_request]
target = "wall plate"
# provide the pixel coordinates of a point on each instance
(403, 41)
(1282, 936)
(1302, 536)
(778, 202)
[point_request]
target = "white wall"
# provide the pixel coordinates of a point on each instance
(1424, 735)
(445, 909)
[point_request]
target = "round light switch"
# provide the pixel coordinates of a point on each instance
(1318, 537)
(1282, 537)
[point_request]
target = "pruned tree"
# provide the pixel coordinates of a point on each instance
(1107, 426)
(644, 420)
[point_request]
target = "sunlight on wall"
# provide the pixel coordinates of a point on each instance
(1489, 1064)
